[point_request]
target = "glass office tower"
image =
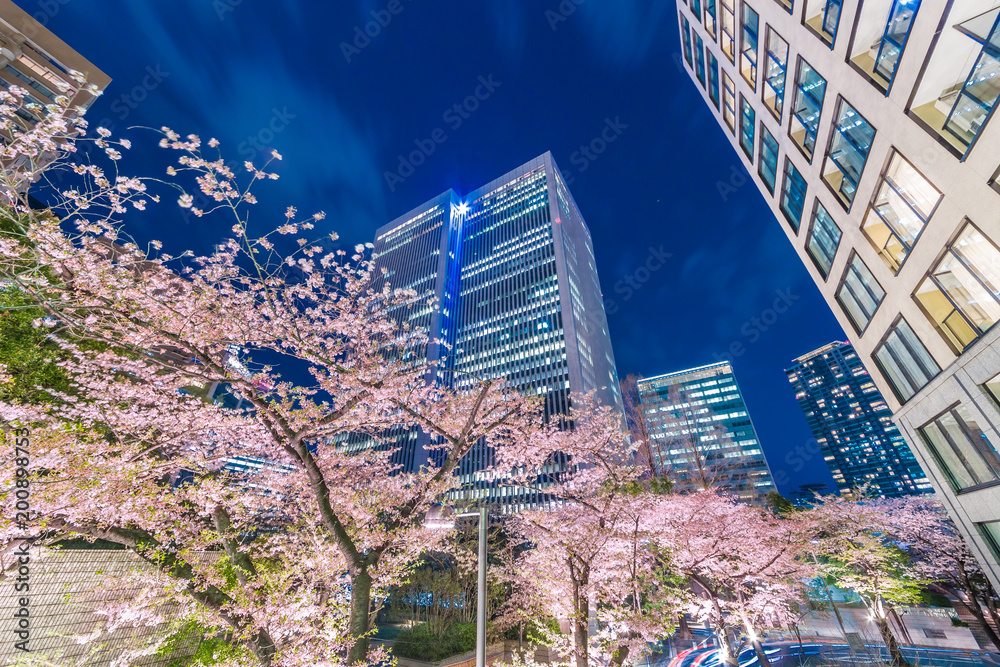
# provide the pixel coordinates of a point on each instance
(853, 425)
(512, 266)
(701, 433)
(886, 182)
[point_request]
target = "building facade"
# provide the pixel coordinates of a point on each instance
(701, 435)
(37, 61)
(866, 126)
(853, 425)
(511, 268)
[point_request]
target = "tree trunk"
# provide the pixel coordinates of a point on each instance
(798, 635)
(581, 629)
(361, 602)
(977, 612)
(895, 655)
(683, 627)
(758, 648)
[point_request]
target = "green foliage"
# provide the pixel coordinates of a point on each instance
(26, 352)
(535, 631)
(958, 623)
(421, 642)
(209, 651)
(779, 504)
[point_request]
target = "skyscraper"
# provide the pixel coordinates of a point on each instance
(512, 268)
(853, 425)
(701, 433)
(37, 61)
(867, 128)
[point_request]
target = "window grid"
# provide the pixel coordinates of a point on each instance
(699, 58)
(859, 294)
(686, 39)
(824, 239)
(904, 361)
(748, 119)
(961, 294)
(961, 449)
(727, 35)
(710, 12)
(903, 203)
(775, 64)
(823, 24)
(847, 154)
(807, 106)
(793, 195)
(713, 78)
(767, 167)
(749, 37)
(729, 101)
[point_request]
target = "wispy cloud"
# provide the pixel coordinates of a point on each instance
(624, 33)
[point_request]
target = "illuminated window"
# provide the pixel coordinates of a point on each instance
(750, 34)
(990, 532)
(822, 18)
(824, 238)
(845, 160)
(904, 361)
(728, 101)
(880, 35)
(727, 38)
(807, 104)
(699, 58)
(959, 83)
(992, 387)
(768, 166)
(793, 195)
(860, 295)
(775, 64)
(713, 78)
(748, 118)
(710, 17)
(686, 38)
(961, 295)
(961, 449)
(903, 204)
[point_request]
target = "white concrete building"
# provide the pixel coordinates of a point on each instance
(865, 124)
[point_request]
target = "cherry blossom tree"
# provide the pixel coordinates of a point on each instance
(855, 539)
(942, 556)
(742, 562)
(591, 550)
(309, 530)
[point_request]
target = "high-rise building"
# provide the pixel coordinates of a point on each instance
(853, 425)
(700, 432)
(511, 268)
(866, 127)
(37, 61)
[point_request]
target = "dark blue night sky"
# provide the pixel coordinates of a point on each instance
(272, 73)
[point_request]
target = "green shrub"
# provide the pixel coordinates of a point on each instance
(421, 643)
(533, 632)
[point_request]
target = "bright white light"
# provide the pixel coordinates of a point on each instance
(463, 208)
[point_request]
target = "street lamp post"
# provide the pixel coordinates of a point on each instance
(443, 517)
